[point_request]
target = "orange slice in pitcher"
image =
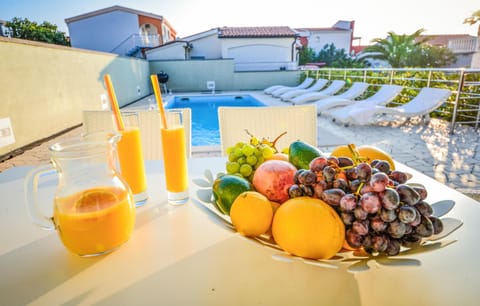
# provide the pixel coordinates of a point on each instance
(95, 199)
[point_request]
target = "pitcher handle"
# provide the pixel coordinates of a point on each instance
(31, 197)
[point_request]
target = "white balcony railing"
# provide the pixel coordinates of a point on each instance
(463, 45)
(135, 42)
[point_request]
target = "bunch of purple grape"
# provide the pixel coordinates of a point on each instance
(381, 212)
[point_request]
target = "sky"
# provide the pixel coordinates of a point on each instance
(373, 18)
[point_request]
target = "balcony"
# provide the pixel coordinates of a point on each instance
(463, 45)
(135, 42)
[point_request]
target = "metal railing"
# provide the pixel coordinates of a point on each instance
(463, 106)
(135, 42)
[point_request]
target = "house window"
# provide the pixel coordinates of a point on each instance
(148, 35)
(165, 33)
(148, 29)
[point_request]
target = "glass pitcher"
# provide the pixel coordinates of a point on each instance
(93, 209)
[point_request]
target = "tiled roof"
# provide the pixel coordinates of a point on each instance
(320, 29)
(255, 32)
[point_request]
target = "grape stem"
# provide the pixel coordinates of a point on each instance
(356, 155)
(276, 139)
(266, 141)
(359, 189)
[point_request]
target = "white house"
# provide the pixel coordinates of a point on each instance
(4, 30)
(340, 34)
(131, 32)
(255, 48)
(119, 30)
(252, 48)
(465, 47)
(205, 45)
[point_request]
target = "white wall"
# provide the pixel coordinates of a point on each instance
(263, 49)
(259, 53)
(208, 47)
(103, 32)
(249, 54)
(475, 60)
(46, 91)
(341, 40)
(173, 51)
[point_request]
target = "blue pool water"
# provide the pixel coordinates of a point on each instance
(205, 131)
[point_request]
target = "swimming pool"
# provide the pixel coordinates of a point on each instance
(205, 131)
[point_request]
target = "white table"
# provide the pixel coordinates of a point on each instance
(184, 256)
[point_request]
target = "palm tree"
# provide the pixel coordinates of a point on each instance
(473, 20)
(395, 49)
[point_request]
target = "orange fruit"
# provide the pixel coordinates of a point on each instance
(225, 190)
(308, 227)
(275, 206)
(369, 152)
(279, 156)
(94, 199)
(251, 213)
(341, 151)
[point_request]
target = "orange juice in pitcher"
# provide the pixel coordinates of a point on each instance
(93, 208)
(95, 220)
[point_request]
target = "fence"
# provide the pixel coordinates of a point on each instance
(463, 106)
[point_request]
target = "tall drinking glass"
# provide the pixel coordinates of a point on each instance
(175, 158)
(130, 154)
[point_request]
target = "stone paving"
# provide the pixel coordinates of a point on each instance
(452, 159)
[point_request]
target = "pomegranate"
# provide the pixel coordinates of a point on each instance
(273, 178)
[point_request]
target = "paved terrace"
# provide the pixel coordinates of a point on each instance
(453, 160)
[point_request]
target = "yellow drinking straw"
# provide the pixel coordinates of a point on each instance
(114, 103)
(158, 97)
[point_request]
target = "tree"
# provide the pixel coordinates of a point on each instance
(30, 30)
(431, 56)
(306, 55)
(337, 58)
(475, 18)
(395, 49)
(330, 56)
(410, 51)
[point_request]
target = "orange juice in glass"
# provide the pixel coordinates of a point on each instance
(96, 220)
(175, 158)
(130, 154)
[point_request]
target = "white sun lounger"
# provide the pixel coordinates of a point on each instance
(425, 102)
(330, 90)
(383, 96)
(355, 91)
(307, 82)
(317, 86)
(294, 92)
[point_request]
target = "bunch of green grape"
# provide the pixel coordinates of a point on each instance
(244, 158)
